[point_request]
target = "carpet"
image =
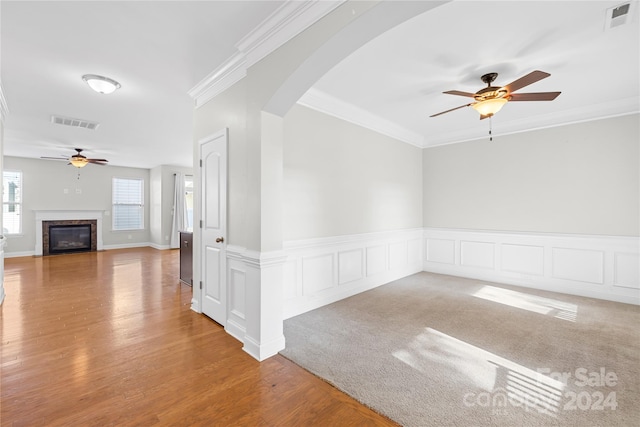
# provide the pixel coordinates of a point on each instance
(437, 350)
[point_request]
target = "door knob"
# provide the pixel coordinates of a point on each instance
(220, 240)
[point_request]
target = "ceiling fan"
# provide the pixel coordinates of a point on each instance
(491, 99)
(78, 160)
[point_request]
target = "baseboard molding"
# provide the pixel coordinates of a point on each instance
(105, 248)
(321, 271)
(603, 267)
(19, 254)
(127, 246)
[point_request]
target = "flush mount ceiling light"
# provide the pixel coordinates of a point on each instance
(101, 84)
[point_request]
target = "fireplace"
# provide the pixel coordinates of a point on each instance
(46, 218)
(68, 236)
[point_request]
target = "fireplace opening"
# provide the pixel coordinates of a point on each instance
(69, 238)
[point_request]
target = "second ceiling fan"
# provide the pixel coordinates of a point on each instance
(491, 99)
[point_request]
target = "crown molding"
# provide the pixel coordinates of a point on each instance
(229, 73)
(586, 113)
(324, 103)
(289, 20)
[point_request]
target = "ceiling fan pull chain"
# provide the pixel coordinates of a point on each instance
(490, 126)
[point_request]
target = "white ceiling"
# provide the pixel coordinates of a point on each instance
(160, 50)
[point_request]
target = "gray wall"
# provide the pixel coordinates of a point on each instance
(580, 178)
(44, 185)
(340, 178)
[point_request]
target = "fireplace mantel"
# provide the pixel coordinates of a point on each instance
(60, 215)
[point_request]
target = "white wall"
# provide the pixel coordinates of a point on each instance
(52, 185)
(352, 210)
(580, 178)
(554, 209)
(342, 179)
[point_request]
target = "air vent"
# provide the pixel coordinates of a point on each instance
(617, 16)
(78, 123)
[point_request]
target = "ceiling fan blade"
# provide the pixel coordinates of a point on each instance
(97, 160)
(453, 109)
(459, 93)
(530, 78)
(55, 158)
(535, 96)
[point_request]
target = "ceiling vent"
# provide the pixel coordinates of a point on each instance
(617, 16)
(78, 123)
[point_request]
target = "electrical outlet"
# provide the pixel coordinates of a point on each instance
(65, 191)
(78, 190)
(129, 236)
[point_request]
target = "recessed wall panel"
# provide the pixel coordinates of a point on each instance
(397, 255)
(317, 273)
(350, 266)
(477, 254)
(376, 260)
(578, 264)
(441, 250)
(237, 287)
(523, 259)
(627, 270)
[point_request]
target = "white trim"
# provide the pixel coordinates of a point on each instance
(285, 23)
(584, 265)
(324, 270)
(229, 73)
(584, 114)
(327, 104)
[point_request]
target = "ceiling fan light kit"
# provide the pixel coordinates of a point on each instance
(101, 84)
(78, 160)
(489, 107)
(491, 99)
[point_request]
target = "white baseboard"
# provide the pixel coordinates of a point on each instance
(604, 267)
(19, 254)
(321, 271)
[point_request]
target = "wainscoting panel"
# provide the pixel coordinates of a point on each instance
(338, 267)
(578, 265)
(376, 260)
(237, 286)
(317, 273)
(604, 267)
(350, 266)
(440, 250)
(523, 259)
(477, 254)
(627, 270)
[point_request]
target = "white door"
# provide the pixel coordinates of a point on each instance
(213, 187)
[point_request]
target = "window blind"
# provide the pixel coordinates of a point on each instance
(128, 204)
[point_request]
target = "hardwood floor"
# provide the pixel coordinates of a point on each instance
(108, 338)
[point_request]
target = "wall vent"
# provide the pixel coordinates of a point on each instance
(617, 16)
(78, 123)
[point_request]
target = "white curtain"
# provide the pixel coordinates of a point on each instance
(179, 211)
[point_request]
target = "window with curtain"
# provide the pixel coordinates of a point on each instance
(188, 195)
(128, 204)
(12, 202)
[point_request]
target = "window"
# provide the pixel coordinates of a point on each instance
(128, 204)
(12, 202)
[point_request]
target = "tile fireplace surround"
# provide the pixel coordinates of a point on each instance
(60, 215)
